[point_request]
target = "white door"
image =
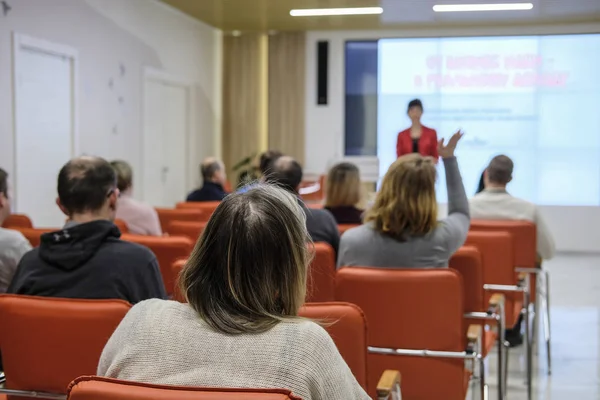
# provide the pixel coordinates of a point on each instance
(166, 127)
(44, 129)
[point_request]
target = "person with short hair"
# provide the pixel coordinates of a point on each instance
(494, 202)
(418, 138)
(401, 230)
(322, 227)
(86, 259)
(13, 245)
(141, 219)
(343, 192)
(214, 179)
(266, 160)
(244, 282)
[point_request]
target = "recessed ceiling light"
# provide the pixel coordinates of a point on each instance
(482, 7)
(318, 12)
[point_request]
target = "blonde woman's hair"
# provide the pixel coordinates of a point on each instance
(406, 204)
(248, 270)
(124, 174)
(342, 185)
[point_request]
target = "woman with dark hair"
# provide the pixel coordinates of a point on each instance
(244, 282)
(418, 138)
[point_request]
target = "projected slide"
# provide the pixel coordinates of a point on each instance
(535, 99)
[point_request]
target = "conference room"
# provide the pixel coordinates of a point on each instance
(299, 199)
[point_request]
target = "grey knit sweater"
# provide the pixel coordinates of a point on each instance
(165, 342)
(364, 246)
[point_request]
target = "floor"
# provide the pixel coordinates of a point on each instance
(575, 327)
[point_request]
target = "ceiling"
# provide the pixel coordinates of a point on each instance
(264, 15)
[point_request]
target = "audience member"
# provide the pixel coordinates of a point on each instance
(402, 229)
(13, 244)
(214, 178)
(245, 281)
(496, 203)
(343, 193)
(86, 259)
(141, 219)
(287, 173)
(266, 160)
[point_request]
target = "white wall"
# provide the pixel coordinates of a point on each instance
(108, 34)
(575, 228)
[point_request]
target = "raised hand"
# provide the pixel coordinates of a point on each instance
(447, 150)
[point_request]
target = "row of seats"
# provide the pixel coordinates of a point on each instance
(48, 342)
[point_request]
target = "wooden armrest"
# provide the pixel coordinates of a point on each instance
(474, 333)
(496, 300)
(389, 383)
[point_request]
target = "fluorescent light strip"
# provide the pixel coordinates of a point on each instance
(319, 12)
(482, 7)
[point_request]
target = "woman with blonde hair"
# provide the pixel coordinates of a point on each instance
(401, 228)
(244, 283)
(343, 193)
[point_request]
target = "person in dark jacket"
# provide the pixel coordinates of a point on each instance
(343, 193)
(86, 259)
(287, 173)
(214, 178)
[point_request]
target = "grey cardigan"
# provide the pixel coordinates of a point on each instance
(364, 246)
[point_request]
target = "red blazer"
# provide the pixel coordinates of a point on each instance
(427, 143)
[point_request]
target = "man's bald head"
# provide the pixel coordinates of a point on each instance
(210, 169)
(287, 173)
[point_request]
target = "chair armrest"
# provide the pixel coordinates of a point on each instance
(388, 387)
(496, 301)
(474, 336)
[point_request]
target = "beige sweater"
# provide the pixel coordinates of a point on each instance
(165, 342)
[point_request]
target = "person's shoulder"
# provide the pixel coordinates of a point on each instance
(321, 213)
(359, 233)
(10, 237)
(428, 129)
(309, 334)
(128, 250)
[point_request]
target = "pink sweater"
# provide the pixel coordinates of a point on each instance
(141, 219)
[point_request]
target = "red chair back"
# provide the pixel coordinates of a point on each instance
(411, 309)
(468, 262)
(47, 342)
(524, 235)
(166, 215)
(122, 225)
(97, 388)
(190, 230)
(321, 274)
(347, 326)
(167, 251)
(17, 221)
(207, 207)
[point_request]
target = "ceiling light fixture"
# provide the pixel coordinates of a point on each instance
(319, 12)
(482, 7)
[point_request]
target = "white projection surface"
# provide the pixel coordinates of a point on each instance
(534, 98)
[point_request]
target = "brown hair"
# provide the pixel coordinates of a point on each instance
(343, 185)
(248, 270)
(406, 204)
(3, 182)
(124, 174)
(500, 170)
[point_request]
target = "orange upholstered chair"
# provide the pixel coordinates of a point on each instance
(47, 342)
(191, 230)
(496, 248)
(207, 207)
(33, 235)
(344, 227)
(313, 191)
(167, 251)
(97, 388)
(416, 326)
(15, 221)
(468, 262)
(321, 274)
(122, 225)
(176, 268)
(166, 215)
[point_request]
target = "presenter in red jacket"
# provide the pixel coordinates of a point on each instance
(417, 138)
